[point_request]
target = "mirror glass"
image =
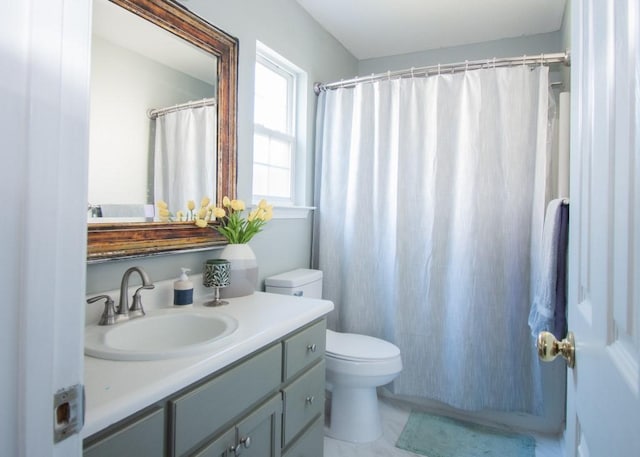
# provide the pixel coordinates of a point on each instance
(136, 67)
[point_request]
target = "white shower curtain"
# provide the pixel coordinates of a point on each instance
(185, 159)
(431, 195)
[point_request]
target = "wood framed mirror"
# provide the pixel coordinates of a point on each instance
(132, 239)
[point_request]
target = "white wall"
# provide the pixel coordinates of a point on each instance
(285, 27)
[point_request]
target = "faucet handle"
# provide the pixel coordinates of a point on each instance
(109, 314)
(136, 309)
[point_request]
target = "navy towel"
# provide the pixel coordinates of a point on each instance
(560, 313)
(548, 310)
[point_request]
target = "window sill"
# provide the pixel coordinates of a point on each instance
(292, 212)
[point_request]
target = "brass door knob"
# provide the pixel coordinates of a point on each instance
(549, 348)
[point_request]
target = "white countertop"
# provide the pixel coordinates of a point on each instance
(116, 389)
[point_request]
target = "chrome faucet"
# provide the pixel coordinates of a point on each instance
(136, 310)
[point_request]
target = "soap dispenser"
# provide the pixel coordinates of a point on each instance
(183, 289)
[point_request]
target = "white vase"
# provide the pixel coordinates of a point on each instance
(243, 278)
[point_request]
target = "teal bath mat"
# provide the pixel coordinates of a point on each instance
(436, 436)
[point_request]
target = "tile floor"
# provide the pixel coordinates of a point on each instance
(394, 417)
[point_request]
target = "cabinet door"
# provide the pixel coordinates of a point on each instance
(142, 437)
(259, 433)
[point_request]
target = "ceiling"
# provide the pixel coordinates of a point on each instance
(378, 28)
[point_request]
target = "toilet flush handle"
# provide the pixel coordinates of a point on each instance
(311, 347)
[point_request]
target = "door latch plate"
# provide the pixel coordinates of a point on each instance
(68, 412)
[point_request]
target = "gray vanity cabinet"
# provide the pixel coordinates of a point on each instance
(268, 404)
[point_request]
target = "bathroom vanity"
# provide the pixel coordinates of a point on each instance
(258, 392)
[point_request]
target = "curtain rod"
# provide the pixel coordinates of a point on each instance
(540, 59)
(154, 113)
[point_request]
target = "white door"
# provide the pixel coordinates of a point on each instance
(603, 400)
(44, 93)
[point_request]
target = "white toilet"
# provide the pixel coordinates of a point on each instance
(355, 366)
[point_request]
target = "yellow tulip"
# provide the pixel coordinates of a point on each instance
(253, 214)
(163, 212)
(201, 223)
(202, 212)
(237, 205)
(205, 202)
(226, 202)
(262, 204)
(191, 205)
(162, 204)
(219, 212)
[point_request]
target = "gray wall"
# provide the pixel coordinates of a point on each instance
(286, 28)
(565, 31)
(508, 47)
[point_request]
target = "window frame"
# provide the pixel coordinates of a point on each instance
(280, 66)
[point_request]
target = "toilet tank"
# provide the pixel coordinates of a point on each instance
(301, 282)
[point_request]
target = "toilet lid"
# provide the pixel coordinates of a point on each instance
(351, 346)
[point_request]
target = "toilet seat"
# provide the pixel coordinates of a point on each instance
(359, 348)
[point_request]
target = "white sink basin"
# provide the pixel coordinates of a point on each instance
(161, 334)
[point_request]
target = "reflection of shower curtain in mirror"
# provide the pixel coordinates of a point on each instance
(185, 157)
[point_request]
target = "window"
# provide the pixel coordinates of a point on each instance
(274, 138)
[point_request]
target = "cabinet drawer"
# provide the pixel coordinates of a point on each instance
(304, 348)
(311, 444)
(201, 412)
(144, 436)
(303, 401)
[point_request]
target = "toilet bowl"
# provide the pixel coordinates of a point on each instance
(355, 366)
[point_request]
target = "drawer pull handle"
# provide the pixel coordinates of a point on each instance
(309, 399)
(243, 443)
(311, 347)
